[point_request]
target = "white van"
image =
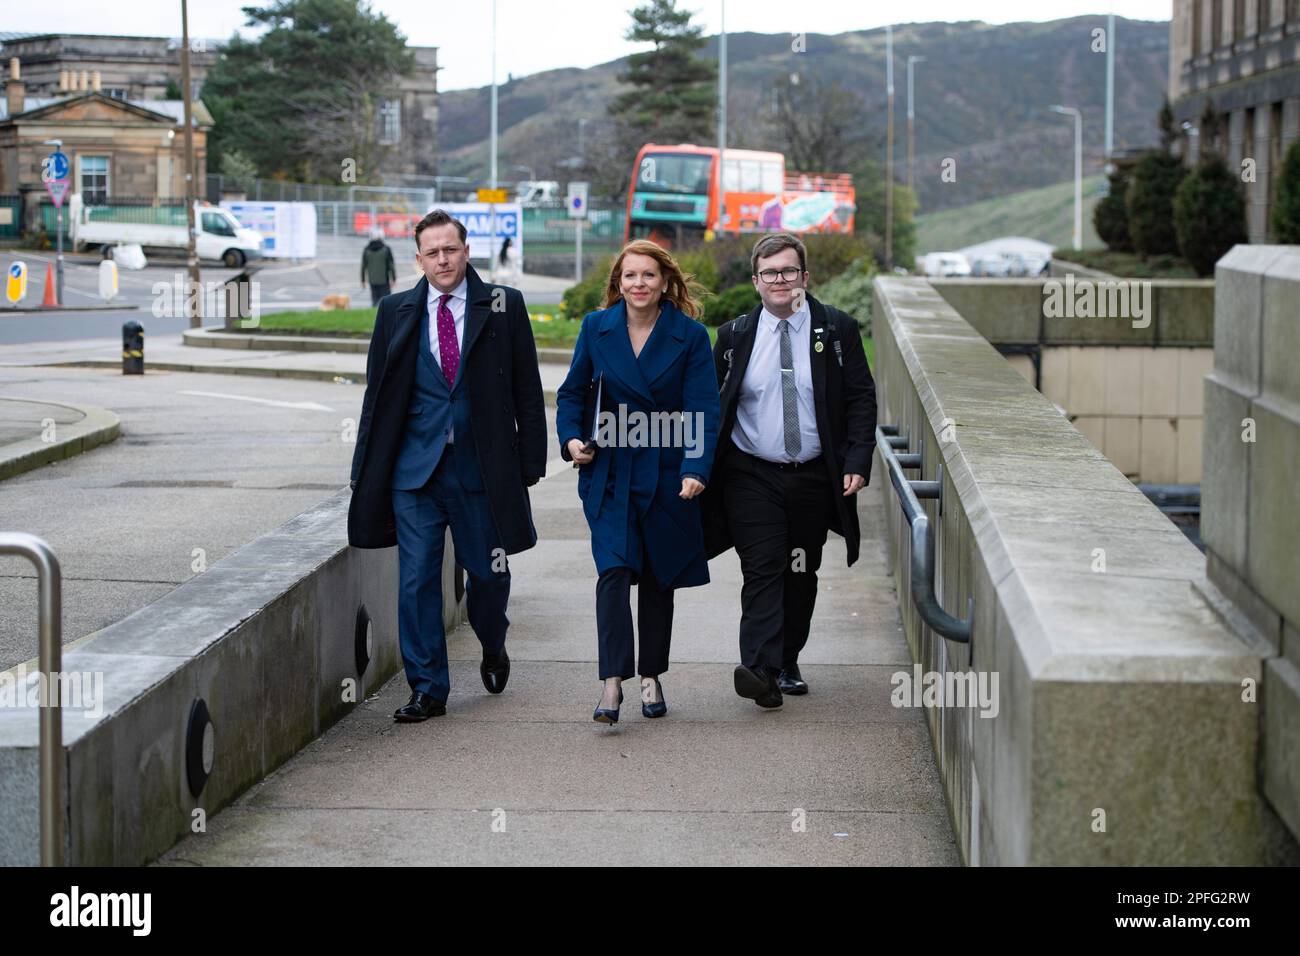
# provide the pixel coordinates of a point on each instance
(220, 236)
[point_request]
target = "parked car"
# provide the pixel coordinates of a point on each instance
(943, 264)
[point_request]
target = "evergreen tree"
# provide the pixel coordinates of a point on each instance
(1149, 203)
(1110, 215)
(305, 95)
(673, 94)
(1209, 214)
(1286, 210)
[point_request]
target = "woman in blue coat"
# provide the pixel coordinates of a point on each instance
(638, 415)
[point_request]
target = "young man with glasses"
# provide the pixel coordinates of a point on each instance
(798, 421)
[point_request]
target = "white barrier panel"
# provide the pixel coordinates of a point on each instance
(288, 229)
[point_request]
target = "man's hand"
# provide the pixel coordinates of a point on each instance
(690, 488)
(853, 484)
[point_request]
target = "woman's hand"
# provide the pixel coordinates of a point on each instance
(578, 452)
(690, 488)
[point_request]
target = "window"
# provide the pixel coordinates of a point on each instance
(116, 93)
(390, 122)
(1196, 28)
(94, 179)
(1238, 20)
(773, 179)
(1216, 24)
(217, 224)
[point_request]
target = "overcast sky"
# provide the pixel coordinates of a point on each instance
(534, 36)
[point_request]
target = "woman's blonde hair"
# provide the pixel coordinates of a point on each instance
(682, 290)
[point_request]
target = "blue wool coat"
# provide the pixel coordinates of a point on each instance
(630, 494)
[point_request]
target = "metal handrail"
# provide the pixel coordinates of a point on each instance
(50, 663)
(909, 494)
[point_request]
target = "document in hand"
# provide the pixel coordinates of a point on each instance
(592, 411)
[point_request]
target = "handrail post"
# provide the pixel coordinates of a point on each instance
(889, 441)
(50, 663)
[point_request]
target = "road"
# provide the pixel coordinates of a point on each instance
(156, 293)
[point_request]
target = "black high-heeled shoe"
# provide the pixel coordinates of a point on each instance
(605, 715)
(654, 708)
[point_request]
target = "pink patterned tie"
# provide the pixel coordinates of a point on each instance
(448, 349)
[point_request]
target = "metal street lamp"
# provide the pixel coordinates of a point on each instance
(1078, 171)
(911, 149)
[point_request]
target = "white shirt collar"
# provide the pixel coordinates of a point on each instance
(772, 323)
(459, 292)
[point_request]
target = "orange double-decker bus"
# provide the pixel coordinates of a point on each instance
(678, 193)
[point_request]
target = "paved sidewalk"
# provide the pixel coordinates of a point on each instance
(529, 778)
(24, 420)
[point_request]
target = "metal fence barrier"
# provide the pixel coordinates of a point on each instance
(50, 663)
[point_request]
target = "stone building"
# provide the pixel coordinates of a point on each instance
(146, 68)
(121, 150)
(1238, 61)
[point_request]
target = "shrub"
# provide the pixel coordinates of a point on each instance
(701, 265)
(1150, 204)
(740, 299)
(850, 291)
(1286, 211)
(1110, 216)
(587, 295)
(1209, 214)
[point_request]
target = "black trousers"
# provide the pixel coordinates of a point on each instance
(778, 517)
(377, 292)
(654, 618)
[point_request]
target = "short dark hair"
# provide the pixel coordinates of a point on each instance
(439, 217)
(771, 245)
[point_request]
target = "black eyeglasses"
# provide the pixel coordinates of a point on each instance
(789, 274)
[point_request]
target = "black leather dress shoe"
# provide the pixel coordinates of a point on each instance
(495, 671)
(791, 681)
(419, 707)
(759, 685)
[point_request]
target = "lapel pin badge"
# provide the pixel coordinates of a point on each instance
(818, 347)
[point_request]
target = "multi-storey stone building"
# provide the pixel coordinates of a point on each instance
(142, 70)
(1236, 63)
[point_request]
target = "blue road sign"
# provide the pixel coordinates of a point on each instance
(57, 165)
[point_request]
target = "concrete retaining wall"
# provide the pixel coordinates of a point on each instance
(1131, 384)
(266, 638)
(1251, 492)
(1121, 736)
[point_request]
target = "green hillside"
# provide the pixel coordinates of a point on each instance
(982, 100)
(1046, 213)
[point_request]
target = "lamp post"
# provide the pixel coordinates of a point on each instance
(889, 148)
(911, 149)
(193, 299)
(1078, 171)
(722, 113)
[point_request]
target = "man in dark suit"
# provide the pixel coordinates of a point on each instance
(798, 409)
(452, 431)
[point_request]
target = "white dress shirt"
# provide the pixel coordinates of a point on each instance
(457, 305)
(760, 417)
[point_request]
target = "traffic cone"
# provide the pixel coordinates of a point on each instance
(50, 298)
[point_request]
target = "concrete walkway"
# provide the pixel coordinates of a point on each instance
(528, 778)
